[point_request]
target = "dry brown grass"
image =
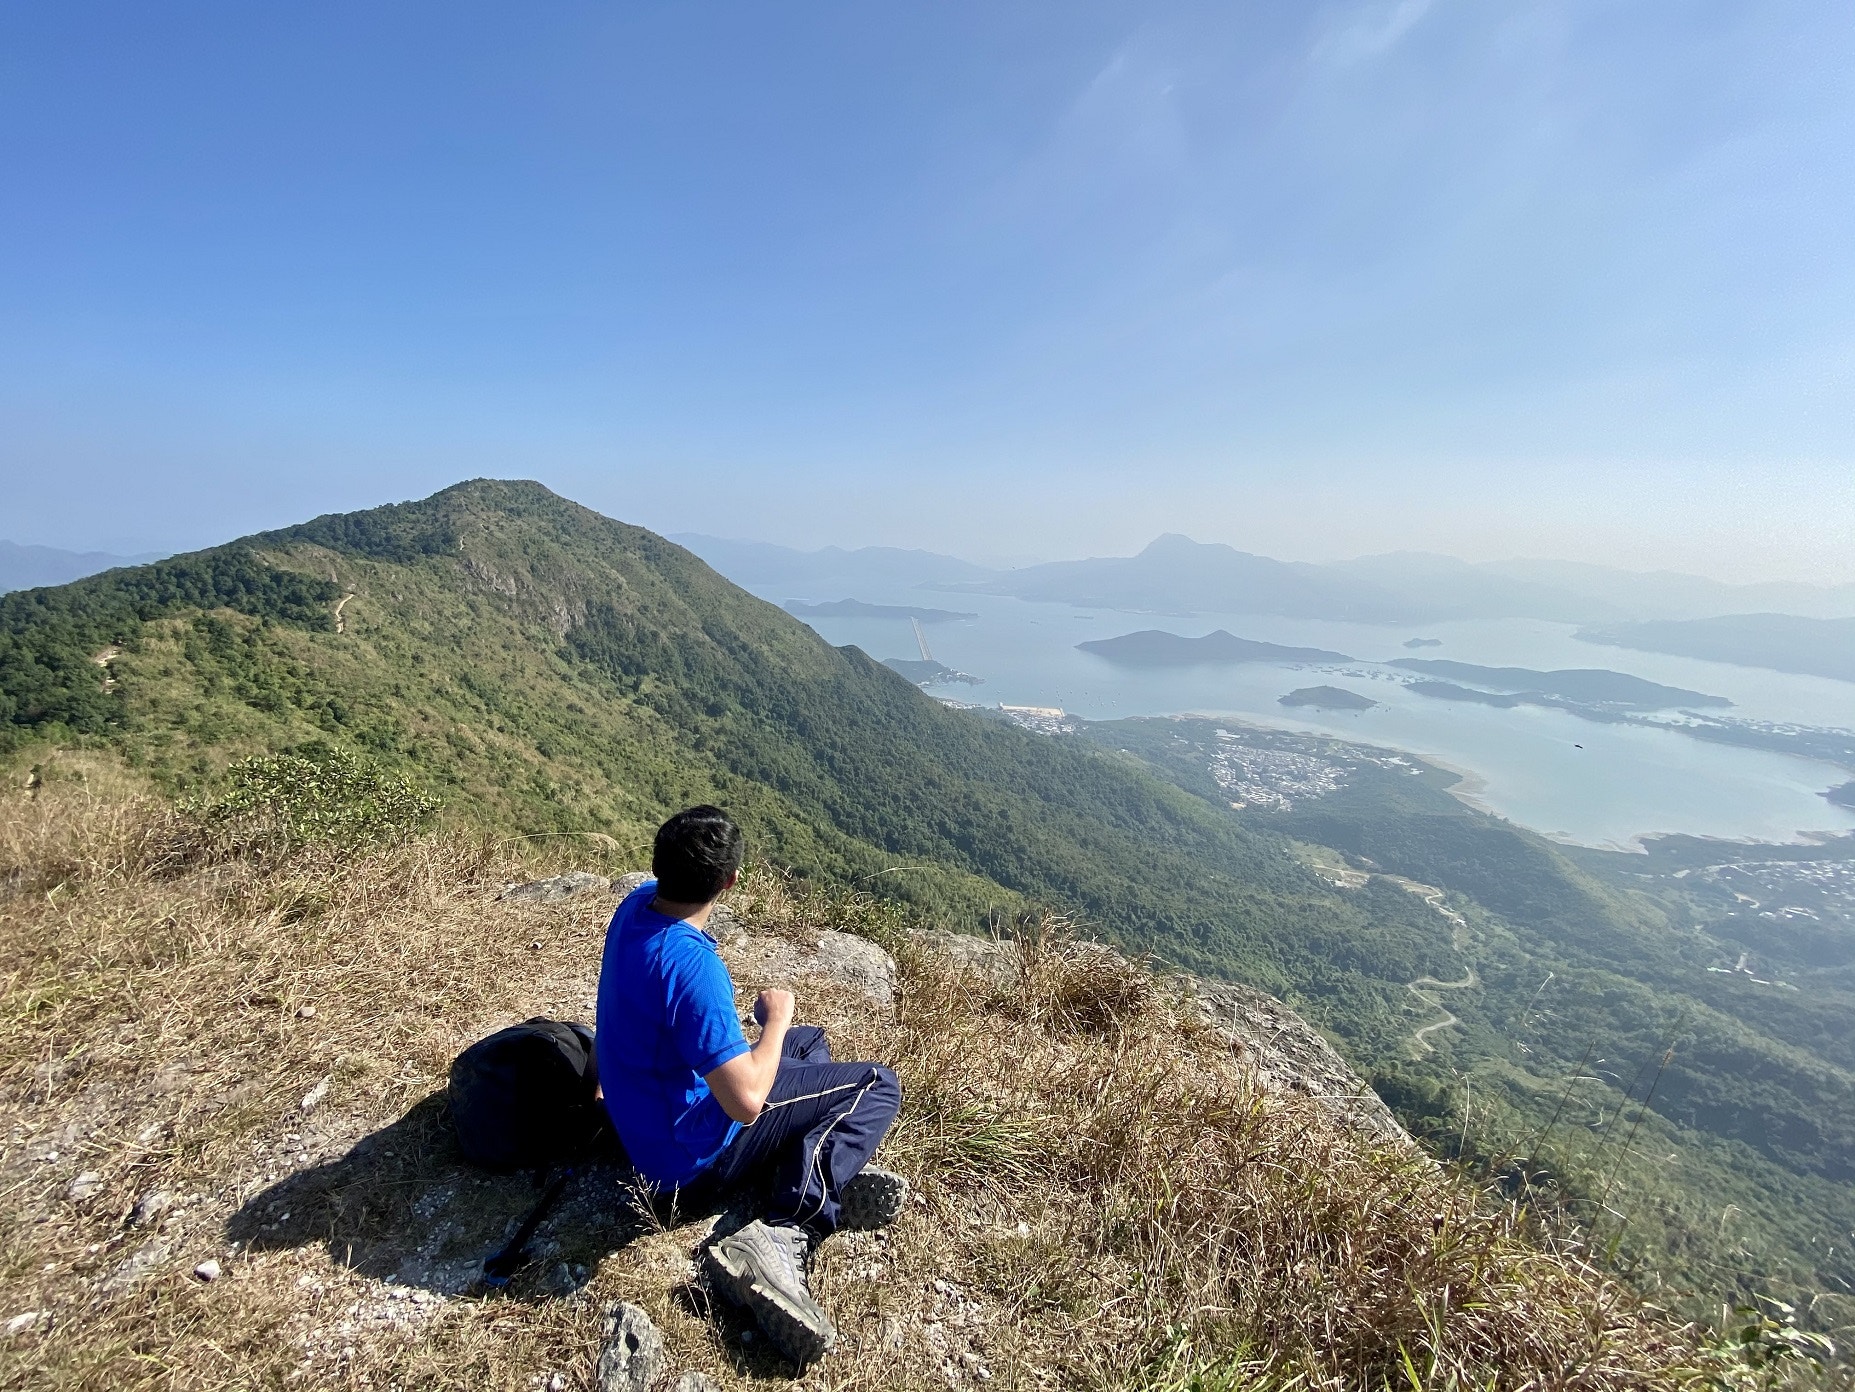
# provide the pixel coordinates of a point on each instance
(1106, 1201)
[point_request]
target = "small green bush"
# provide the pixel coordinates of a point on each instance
(317, 794)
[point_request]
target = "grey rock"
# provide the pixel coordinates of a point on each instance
(141, 1263)
(633, 1357)
(556, 888)
(313, 1098)
(208, 1270)
(695, 1382)
(562, 1280)
(725, 925)
(625, 883)
(85, 1187)
(842, 957)
(150, 1207)
(859, 962)
(994, 959)
(1288, 1054)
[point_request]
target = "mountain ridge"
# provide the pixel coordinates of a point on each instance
(25, 567)
(1391, 587)
(1779, 642)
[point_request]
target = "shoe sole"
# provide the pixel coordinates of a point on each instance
(872, 1199)
(801, 1334)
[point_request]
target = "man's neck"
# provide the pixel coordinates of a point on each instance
(697, 914)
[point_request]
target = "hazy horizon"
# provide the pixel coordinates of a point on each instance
(1540, 280)
(1008, 560)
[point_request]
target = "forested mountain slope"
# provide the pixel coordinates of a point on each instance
(549, 670)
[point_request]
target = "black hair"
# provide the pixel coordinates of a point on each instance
(696, 851)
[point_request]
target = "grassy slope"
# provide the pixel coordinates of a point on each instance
(1107, 1200)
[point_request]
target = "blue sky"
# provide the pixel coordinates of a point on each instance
(1315, 279)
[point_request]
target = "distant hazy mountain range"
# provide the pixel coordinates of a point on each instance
(830, 573)
(28, 567)
(1176, 575)
(1152, 648)
(857, 609)
(1783, 642)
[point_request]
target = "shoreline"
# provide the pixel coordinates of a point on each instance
(1470, 789)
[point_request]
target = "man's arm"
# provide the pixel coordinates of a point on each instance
(742, 1083)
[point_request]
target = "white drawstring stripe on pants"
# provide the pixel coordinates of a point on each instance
(814, 1166)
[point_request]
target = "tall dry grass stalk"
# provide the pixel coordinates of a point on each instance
(1107, 1200)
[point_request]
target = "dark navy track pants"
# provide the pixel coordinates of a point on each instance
(821, 1123)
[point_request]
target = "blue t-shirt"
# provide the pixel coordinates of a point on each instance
(666, 1021)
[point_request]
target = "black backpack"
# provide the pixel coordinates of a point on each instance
(523, 1098)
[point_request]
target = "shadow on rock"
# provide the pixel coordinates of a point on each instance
(403, 1207)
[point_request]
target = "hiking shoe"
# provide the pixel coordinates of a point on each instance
(762, 1267)
(871, 1199)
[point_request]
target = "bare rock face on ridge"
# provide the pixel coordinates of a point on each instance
(1290, 1055)
(556, 888)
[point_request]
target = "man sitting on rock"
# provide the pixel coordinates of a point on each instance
(704, 1115)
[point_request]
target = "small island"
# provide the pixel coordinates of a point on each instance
(1423, 642)
(1153, 647)
(1583, 686)
(926, 671)
(859, 609)
(1842, 796)
(1449, 691)
(1328, 698)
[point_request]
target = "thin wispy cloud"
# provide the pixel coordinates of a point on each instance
(1370, 31)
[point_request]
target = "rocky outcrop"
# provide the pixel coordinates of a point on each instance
(558, 887)
(842, 958)
(1288, 1054)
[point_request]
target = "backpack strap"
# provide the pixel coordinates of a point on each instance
(501, 1266)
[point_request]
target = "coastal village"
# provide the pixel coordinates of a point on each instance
(1810, 896)
(1265, 770)
(1276, 770)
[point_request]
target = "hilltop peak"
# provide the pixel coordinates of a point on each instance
(1178, 544)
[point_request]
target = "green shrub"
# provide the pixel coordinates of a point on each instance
(317, 794)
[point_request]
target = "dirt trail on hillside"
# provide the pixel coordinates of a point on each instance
(341, 624)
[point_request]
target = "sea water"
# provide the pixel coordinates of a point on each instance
(1572, 779)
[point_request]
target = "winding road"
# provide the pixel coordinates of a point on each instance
(1425, 987)
(1422, 988)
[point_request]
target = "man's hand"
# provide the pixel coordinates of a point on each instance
(774, 1005)
(742, 1083)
